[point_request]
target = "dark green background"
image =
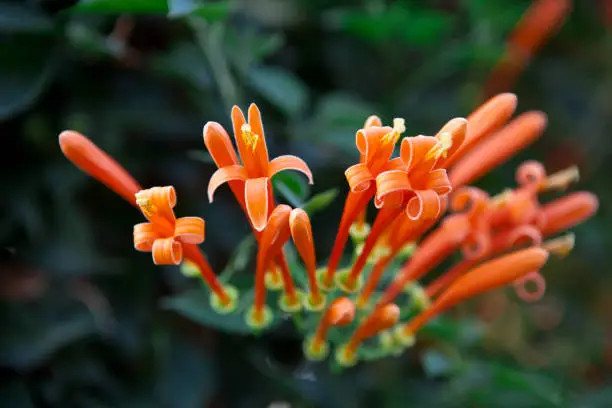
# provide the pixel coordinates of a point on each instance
(83, 317)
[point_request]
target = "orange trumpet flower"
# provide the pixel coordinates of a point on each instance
(164, 234)
(301, 232)
(90, 159)
(256, 169)
(488, 276)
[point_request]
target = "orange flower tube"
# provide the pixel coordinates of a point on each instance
(301, 232)
(567, 211)
(340, 313)
(483, 122)
(381, 319)
(495, 150)
(488, 276)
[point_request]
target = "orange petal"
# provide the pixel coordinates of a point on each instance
(568, 211)
(219, 145)
(144, 236)
(301, 232)
(370, 144)
(256, 201)
(93, 161)
(257, 125)
(167, 251)
(289, 162)
(189, 230)
(156, 204)
(391, 181)
(224, 175)
(471, 200)
(372, 121)
(477, 245)
(437, 180)
(424, 205)
(359, 177)
(534, 280)
(414, 149)
(531, 173)
(483, 121)
(341, 312)
(381, 319)
(494, 151)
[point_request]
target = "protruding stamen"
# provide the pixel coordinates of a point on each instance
(144, 202)
(399, 127)
(561, 180)
(445, 142)
(250, 138)
(561, 246)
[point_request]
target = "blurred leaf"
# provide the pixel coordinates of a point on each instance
(39, 330)
(23, 18)
(186, 63)
(292, 186)
(26, 69)
(239, 259)
(121, 6)
(210, 11)
(194, 304)
(89, 41)
(435, 363)
(281, 88)
(320, 201)
(531, 383)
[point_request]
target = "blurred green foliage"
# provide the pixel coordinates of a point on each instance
(88, 322)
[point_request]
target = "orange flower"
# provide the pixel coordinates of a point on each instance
(488, 276)
(495, 150)
(541, 20)
(93, 161)
(256, 169)
(340, 313)
(301, 232)
(565, 212)
(375, 144)
(417, 185)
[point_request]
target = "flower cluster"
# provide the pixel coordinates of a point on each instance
(500, 240)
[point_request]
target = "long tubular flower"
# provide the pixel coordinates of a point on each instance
(340, 313)
(90, 159)
(488, 276)
(496, 149)
(301, 232)
(256, 169)
(375, 144)
(379, 320)
(539, 22)
(567, 211)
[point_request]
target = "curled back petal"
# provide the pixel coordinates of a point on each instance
(531, 173)
(256, 201)
(144, 236)
(223, 175)
(189, 230)
(531, 287)
(156, 204)
(424, 205)
(391, 181)
(476, 246)
(437, 180)
(372, 121)
(524, 235)
(167, 251)
(289, 162)
(359, 177)
(219, 145)
(414, 149)
(369, 142)
(469, 200)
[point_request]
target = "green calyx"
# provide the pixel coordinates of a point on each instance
(259, 321)
(404, 339)
(273, 281)
(315, 351)
(359, 232)
(320, 275)
(315, 306)
(341, 278)
(345, 358)
(289, 305)
(225, 308)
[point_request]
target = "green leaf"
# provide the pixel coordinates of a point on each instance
(121, 6)
(209, 11)
(239, 258)
(23, 18)
(194, 304)
(292, 186)
(436, 363)
(320, 201)
(281, 88)
(28, 66)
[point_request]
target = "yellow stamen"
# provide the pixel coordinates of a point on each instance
(502, 198)
(561, 246)
(144, 202)
(250, 138)
(562, 179)
(399, 127)
(445, 142)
